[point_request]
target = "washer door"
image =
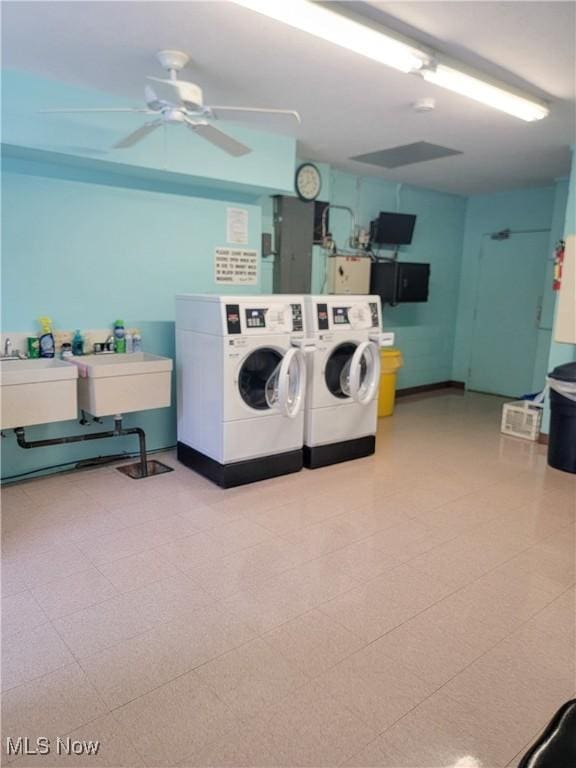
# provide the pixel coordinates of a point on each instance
(286, 386)
(336, 373)
(364, 374)
(353, 371)
(269, 380)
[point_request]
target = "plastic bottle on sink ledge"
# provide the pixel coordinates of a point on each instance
(136, 341)
(119, 336)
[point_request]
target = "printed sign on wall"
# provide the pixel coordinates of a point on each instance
(237, 226)
(235, 266)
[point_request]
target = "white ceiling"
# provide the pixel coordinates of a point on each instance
(349, 105)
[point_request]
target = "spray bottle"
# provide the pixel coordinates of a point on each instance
(46, 337)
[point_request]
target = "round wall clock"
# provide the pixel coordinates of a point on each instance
(308, 182)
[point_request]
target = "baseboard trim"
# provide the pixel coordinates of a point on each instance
(543, 438)
(240, 472)
(430, 388)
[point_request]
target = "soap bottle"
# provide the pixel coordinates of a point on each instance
(77, 344)
(136, 341)
(47, 348)
(129, 342)
(119, 336)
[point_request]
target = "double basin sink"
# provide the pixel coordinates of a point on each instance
(48, 390)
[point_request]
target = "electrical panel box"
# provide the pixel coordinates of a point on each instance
(398, 282)
(294, 234)
(348, 274)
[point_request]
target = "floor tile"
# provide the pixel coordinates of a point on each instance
(313, 642)
(101, 626)
(39, 567)
(432, 735)
(113, 748)
(224, 576)
(55, 704)
(21, 612)
(374, 687)
(387, 601)
(140, 664)
(175, 721)
(72, 593)
(307, 620)
(32, 653)
(252, 678)
(135, 571)
(311, 728)
(11, 580)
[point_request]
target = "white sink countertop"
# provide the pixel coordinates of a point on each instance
(35, 371)
(128, 364)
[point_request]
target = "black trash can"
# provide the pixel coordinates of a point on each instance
(562, 438)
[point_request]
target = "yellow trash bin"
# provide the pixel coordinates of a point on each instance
(390, 361)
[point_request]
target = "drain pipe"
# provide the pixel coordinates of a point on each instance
(118, 431)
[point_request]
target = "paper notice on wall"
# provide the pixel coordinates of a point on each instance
(235, 266)
(237, 226)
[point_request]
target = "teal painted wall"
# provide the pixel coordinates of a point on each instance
(517, 210)
(424, 332)
(86, 253)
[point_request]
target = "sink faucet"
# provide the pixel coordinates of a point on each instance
(10, 353)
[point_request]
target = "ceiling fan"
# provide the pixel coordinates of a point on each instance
(185, 106)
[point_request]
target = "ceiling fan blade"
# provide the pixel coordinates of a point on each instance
(190, 95)
(95, 109)
(154, 103)
(258, 110)
(138, 134)
(219, 138)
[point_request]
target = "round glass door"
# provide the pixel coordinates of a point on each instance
(254, 375)
(337, 374)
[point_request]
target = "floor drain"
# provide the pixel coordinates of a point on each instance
(135, 470)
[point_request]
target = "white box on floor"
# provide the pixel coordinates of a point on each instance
(522, 419)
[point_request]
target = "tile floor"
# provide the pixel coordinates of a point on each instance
(415, 608)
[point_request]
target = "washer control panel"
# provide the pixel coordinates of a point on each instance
(255, 318)
(340, 313)
(297, 322)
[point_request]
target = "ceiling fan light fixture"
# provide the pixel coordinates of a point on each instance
(341, 30)
(485, 92)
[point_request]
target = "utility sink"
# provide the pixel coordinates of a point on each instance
(37, 392)
(123, 383)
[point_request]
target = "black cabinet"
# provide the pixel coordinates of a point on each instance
(398, 282)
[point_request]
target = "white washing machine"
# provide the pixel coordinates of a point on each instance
(343, 376)
(241, 384)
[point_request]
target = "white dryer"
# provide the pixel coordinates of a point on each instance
(241, 380)
(343, 376)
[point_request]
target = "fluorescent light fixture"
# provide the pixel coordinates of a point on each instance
(341, 30)
(397, 52)
(481, 90)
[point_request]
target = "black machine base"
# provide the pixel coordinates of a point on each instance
(324, 455)
(240, 472)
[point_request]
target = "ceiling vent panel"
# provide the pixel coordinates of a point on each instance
(407, 154)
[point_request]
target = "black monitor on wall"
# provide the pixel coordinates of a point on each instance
(392, 228)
